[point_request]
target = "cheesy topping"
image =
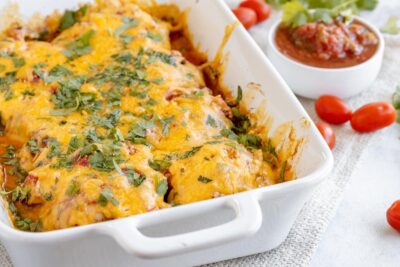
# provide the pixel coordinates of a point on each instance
(105, 113)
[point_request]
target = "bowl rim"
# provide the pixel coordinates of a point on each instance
(378, 52)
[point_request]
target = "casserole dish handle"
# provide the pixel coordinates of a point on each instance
(247, 221)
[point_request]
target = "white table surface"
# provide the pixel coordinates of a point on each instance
(359, 234)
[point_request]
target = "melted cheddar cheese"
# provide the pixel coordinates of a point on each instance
(105, 113)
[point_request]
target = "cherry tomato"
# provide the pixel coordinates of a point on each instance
(262, 9)
(246, 16)
(332, 109)
(372, 117)
(327, 133)
(393, 215)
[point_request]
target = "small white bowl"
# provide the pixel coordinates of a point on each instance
(312, 82)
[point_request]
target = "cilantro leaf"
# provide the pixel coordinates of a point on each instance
(70, 17)
(33, 146)
(107, 196)
(391, 26)
(162, 187)
(204, 179)
(159, 165)
(80, 46)
(73, 188)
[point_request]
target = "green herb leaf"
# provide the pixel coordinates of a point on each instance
(291, 10)
(250, 141)
(27, 224)
(56, 73)
(211, 121)
(165, 124)
(204, 179)
(135, 178)
(74, 144)
(107, 196)
(18, 62)
(70, 17)
(73, 188)
(108, 121)
(154, 36)
(54, 148)
(282, 172)
(126, 24)
(391, 26)
(159, 165)
(228, 133)
(162, 187)
(239, 95)
(80, 46)
(33, 146)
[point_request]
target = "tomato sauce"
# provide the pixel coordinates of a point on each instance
(336, 45)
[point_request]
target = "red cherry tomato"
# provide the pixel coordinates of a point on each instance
(262, 9)
(327, 133)
(393, 215)
(372, 117)
(332, 109)
(246, 16)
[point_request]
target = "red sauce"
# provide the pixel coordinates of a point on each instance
(335, 45)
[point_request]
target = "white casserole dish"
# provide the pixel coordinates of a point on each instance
(207, 231)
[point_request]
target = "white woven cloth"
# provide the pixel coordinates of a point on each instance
(315, 216)
(302, 242)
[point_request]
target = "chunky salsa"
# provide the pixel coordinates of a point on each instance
(335, 45)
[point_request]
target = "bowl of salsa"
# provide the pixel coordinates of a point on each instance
(340, 58)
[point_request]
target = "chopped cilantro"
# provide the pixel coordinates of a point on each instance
(5, 85)
(154, 36)
(74, 144)
(165, 124)
(162, 187)
(18, 62)
(27, 224)
(211, 121)
(159, 165)
(160, 56)
(119, 76)
(69, 98)
(48, 196)
(137, 133)
(127, 23)
(135, 178)
(70, 17)
(54, 148)
(135, 93)
(228, 133)
(80, 46)
(107, 196)
(250, 140)
(27, 93)
(20, 194)
(56, 73)
(239, 95)
(204, 179)
(126, 39)
(123, 58)
(73, 188)
(33, 146)
(282, 172)
(108, 121)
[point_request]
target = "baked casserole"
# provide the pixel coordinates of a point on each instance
(109, 111)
